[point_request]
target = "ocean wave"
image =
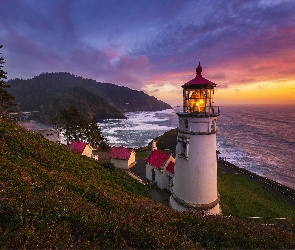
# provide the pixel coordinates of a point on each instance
(246, 137)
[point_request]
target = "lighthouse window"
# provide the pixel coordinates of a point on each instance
(213, 126)
(183, 147)
(186, 124)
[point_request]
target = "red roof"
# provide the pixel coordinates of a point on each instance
(170, 167)
(199, 80)
(120, 153)
(157, 158)
(77, 146)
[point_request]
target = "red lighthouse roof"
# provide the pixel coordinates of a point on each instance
(199, 81)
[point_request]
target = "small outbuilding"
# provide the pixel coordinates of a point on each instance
(122, 157)
(81, 148)
(160, 168)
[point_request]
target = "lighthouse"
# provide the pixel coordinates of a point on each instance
(195, 174)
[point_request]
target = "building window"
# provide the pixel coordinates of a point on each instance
(183, 147)
(153, 174)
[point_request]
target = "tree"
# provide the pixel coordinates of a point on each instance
(6, 99)
(77, 127)
(94, 136)
(74, 124)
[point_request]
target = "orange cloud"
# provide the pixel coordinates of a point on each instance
(257, 83)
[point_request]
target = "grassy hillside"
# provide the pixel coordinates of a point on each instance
(53, 198)
(245, 198)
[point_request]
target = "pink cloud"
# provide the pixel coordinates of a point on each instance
(133, 63)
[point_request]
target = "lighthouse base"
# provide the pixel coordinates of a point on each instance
(216, 210)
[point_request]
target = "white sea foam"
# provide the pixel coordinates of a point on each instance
(139, 128)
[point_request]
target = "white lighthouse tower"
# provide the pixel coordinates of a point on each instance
(195, 177)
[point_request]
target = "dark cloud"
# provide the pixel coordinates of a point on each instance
(236, 32)
(155, 90)
(126, 42)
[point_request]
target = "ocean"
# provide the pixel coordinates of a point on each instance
(139, 128)
(259, 138)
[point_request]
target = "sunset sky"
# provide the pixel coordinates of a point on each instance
(246, 47)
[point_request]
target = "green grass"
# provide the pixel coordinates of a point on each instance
(142, 155)
(244, 198)
(53, 198)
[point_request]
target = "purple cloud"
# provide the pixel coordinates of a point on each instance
(129, 42)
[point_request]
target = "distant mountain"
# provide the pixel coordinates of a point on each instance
(90, 104)
(48, 93)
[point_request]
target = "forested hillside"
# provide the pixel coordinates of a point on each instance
(50, 92)
(52, 198)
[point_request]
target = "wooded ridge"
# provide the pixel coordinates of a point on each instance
(48, 93)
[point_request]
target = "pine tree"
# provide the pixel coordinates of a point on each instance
(6, 99)
(94, 136)
(77, 127)
(74, 124)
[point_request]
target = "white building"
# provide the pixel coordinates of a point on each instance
(195, 177)
(160, 168)
(122, 157)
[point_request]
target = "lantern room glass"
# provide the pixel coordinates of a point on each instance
(199, 100)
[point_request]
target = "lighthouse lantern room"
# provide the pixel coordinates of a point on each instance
(198, 94)
(195, 174)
